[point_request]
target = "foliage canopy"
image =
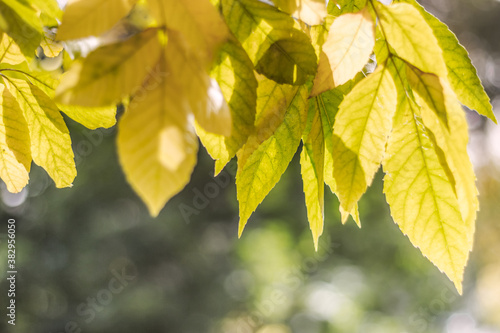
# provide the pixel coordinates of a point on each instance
(356, 83)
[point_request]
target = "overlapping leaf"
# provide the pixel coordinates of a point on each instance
(272, 39)
(312, 12)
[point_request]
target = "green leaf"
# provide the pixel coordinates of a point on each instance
(422, 199)
(234, 73)
(360, 133)
(411, 37)
(50, 140)
(156, 146)
(339, 7)
(312, 161)
(461, 73)
(272, 39)
(281, 117)
(84, 18)
(346, 51)
(15, 154)
(112, 72)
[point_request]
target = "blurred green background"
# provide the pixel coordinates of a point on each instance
(90, 259)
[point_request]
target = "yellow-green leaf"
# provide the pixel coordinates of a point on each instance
(91, 118)
(360, 133)
(312, 162)
(112, 72)
(461, 73)
(200, 91)
(267, 153)
(452, 139)
(50, 47)
(339, 7)
(412, 38)
(156, 147)
(312, 12)
(234, 73)
(10, 52)
(50, 140)
(346, 51)
(429, 87)
(273, 40)
(198, 21)
(84, 18)
(422, 199)
(15, 154)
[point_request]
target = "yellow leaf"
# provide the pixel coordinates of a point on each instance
(452, 139)
(50, 140)
(201, 92)
(10, 53)
(354, 214)
(156, 147)
(198, 21)
(346, 51)
(235, 75)
(413, 39)
(91, 118)
(312, 12)
(360, 133)
(50, 47)
(422, 199)
(112, 72)
(15, 155)
(312, 162)
(84, 18)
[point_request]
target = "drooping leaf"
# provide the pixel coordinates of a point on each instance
(346, 51)
(422, 199)
(10, 52)
(312, 12)
(360, 133)
(461, 73)
(50, 140)
(411, 37)
(267, 153)
(451, 141)
(112, 72)
(201, 92)
(23, 26)
(273, 40)
(84, 18)
(312, 162)
(234, 73)
(198, 21)
(429, 87)
(156, 147)
(15, 154)
(91, 118)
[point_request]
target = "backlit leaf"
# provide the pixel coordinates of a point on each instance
(268, 151)
(156, 146)
(346, 51)
(10, 53)
(409, 34)
(234, 73)
(272, 39)
(422, 199)
(84, 18)
(461, 73)
(91, 118)
(50, 140)
(112, 72)
(311, 12)
(360, 133)
(15, 154)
